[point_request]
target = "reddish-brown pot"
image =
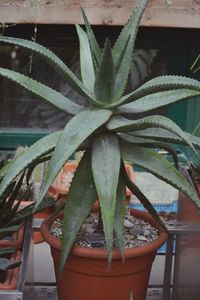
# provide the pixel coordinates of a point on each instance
(12, 275)
(68, 167)
(86, 274)
(71, 166)
(45, 213)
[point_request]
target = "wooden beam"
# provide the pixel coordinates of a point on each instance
(160, 13)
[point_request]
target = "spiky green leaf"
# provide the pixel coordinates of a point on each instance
(120, 211)
(38, 149)
(75, 132)
(105, 169)
(123, 70)
(51, 59)
(34, 164)
(156, 164)
(160, 84)
(151, 143)
(122, 124)
(4, 169)
(81, 197)
(124, 47)
(28, 210)
(105, 78)
(158, 100)
(161, 134)
(9, 208)
(86, 61)
(41, 90)
(95, 49)
(130, 28)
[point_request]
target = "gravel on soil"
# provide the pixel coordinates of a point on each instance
(137, 233)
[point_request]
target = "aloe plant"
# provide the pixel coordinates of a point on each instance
(102, 130)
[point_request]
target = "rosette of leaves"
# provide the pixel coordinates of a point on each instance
(102, 130)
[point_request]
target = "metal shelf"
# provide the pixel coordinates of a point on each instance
(18, 293)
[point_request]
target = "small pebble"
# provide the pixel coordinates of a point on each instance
(128, 224)
(136, 231)
(141, 238)
(147, 232)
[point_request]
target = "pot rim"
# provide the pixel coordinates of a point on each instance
(102, 253)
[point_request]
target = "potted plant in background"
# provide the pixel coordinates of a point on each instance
(12, 228)
(64, 179)
(27, 193)
(109, 138)
(9, 268)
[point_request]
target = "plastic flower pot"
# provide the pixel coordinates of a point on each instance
(86, 274)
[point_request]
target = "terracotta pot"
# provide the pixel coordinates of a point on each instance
(86, 274)
(44, 214)
(71, 166)
(61, 187)
(11, 276)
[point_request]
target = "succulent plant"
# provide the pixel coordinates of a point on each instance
(102, 130)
